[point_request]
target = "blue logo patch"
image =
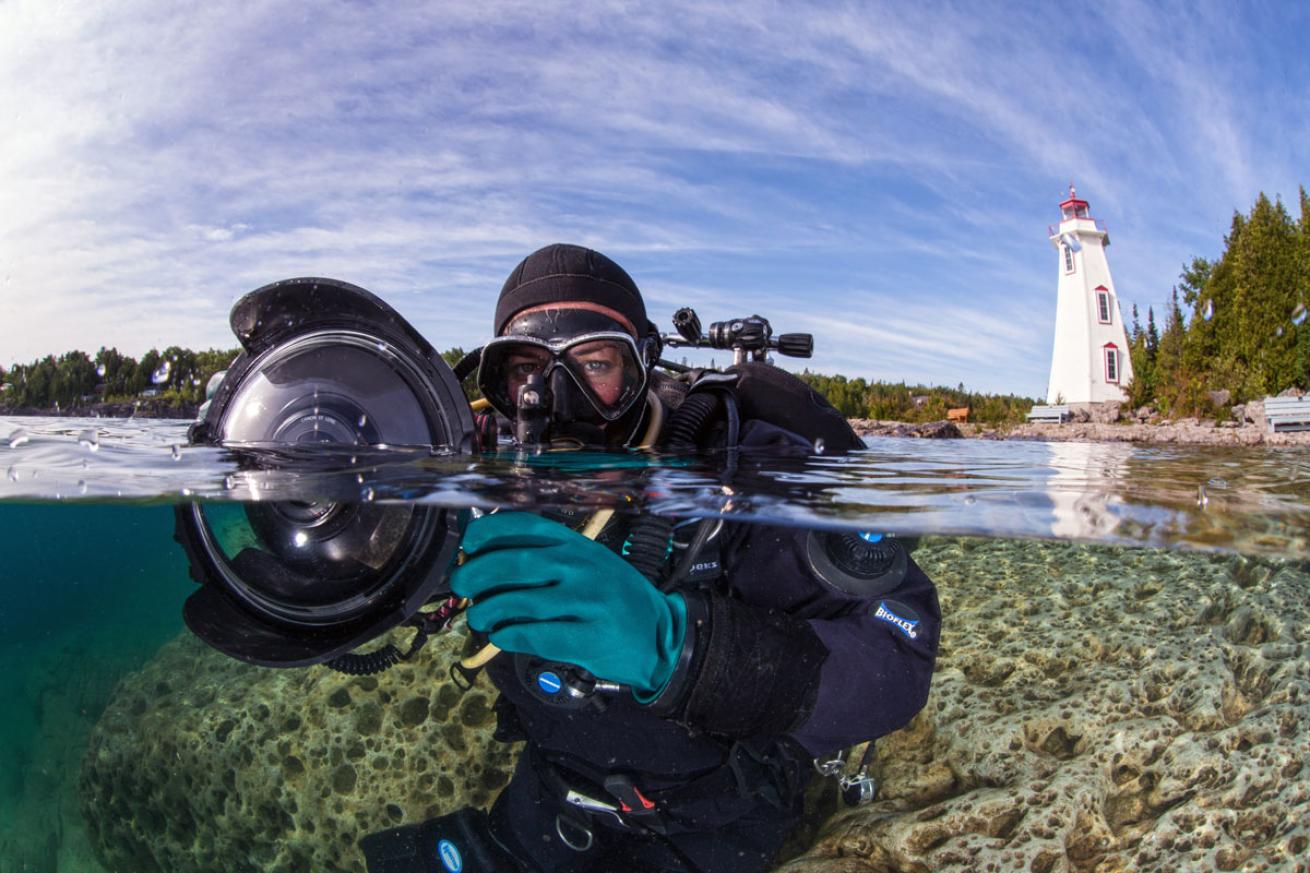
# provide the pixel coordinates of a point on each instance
(904, 625)
(450, 857)
(549, 682)
(870, 537)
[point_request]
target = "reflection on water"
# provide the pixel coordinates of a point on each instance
(1252, 500)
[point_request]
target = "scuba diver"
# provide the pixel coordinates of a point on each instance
(674, 684)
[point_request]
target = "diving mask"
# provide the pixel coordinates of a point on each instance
(596, 370)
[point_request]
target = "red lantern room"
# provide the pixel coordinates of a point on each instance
(1073, 207)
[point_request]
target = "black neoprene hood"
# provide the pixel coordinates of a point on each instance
(560, 273)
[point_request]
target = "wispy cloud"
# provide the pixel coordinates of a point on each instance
(877, 173)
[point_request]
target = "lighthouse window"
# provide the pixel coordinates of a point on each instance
(1068, 259)
(1111, 364)
(1103, 306)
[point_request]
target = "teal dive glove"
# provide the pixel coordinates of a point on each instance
(540, 588)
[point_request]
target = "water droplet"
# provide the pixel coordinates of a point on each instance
(81, 486)
(382, 347)
(1202, 499)
(187, 492)
(85, 465)
(819, 446)
(162, 372)
(1208, 312)
(177, 452)
(12, 473)
(369, 494)
(18, 438)
(1299, 314)
(359, 478)
(101, 369)
(1218, 482)
(195, 380)
(363, 421)
(89, 439)
(970, 500)
(1278, 331)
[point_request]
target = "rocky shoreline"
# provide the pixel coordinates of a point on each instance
(1186, 431)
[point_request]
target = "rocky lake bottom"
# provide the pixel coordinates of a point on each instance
(1094, 709)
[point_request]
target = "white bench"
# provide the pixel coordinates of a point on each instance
(1287, 413)
(1049, 414)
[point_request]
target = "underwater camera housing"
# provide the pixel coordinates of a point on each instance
(287, 583)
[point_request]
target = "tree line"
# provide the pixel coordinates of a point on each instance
(179, 375)
(897, 401)
(76, 378)
(1235, 324)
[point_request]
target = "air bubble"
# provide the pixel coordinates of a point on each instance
(819, 446)
(81, 486)
(162, 372)
(177, 452)
(1299, 314)
(1208, 312)
(1202, 499)
(970, 500)
(363, 421)
(89, 439)
(18, 438)
(12, 473)
(101, 369)
(1278, 331)
(369, 494)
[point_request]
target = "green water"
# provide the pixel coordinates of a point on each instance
(1094, 708)
(88, 593)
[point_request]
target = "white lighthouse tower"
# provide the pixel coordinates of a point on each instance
(1090, 361)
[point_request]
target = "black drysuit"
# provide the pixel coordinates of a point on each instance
(785, 667)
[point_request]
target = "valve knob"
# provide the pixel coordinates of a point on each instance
(796, 345)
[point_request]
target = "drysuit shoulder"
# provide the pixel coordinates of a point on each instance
(771, 395)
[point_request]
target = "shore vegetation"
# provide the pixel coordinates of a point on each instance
(1235, 327)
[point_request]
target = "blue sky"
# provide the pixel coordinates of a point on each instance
(877, 174)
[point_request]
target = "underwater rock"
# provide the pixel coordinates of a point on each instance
(202, 764)
(1094, 709)
(1097, 710)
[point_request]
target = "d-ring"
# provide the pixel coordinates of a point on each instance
(560, 820)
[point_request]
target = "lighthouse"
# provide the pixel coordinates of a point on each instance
(1090, 362)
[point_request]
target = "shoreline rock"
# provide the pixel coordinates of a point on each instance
(1188, 431)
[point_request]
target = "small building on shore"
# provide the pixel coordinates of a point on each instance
(1089, 361)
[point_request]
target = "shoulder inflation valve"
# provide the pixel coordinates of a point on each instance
(860, 565)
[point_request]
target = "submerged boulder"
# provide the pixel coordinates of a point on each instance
(202, 764)
(1097, 710)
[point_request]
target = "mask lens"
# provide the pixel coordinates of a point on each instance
(505, 369)
(608, 372)
(605, 370)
